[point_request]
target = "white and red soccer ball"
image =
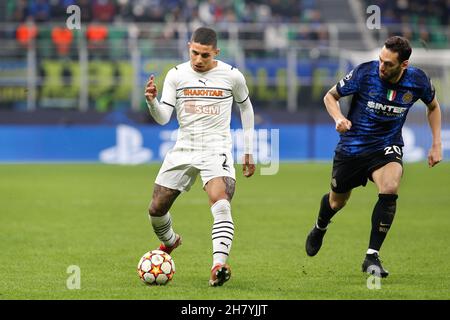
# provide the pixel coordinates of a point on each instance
(156, 268)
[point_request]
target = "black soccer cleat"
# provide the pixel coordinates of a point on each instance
(372, 265)
(314, 241)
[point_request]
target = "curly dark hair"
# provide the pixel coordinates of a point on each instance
(400, 45)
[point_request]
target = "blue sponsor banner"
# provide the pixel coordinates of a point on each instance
(126, 144)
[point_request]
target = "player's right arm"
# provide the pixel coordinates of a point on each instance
(161, 112)
(331, 101)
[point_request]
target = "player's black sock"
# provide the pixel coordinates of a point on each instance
(325, 213)
(382, 217)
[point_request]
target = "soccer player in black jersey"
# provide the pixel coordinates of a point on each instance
(370, 145)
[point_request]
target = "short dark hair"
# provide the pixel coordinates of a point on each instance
(205, 36)
(400, 45)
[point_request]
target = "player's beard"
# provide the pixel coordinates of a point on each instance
(394, 74)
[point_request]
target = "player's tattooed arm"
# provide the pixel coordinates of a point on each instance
(230, 185)
(162, 200)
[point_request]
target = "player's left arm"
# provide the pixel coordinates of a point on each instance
(434, 119)
(242, 98)
(248, 120)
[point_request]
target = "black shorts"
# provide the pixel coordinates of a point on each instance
(353, 171)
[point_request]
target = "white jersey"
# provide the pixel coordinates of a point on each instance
(203, 103)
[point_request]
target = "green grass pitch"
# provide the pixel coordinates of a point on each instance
(95, 217)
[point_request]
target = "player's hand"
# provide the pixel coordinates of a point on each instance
(248, 167)
(150, 90)
(435, 155)
(343, 125)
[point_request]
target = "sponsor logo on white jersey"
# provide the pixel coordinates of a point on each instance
(203, 93)
(209, 109)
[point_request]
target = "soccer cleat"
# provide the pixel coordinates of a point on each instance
(372, 265)
(220, 274)
(168, 249)
(314, 241)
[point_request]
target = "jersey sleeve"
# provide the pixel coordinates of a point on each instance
(428, 91)
(169, 92)
(240, 90)
(350, 83)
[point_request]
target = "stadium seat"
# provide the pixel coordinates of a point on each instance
(117, 41)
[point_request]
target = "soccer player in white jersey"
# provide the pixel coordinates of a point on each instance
(201, 91)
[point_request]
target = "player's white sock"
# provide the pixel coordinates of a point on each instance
(371, 251)
(163, 229)
(222, 231)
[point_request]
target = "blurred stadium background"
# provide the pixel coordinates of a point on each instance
(74, 94)
(77, 96)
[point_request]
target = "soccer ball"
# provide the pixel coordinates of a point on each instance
(156, 268)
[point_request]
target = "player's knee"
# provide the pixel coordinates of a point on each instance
(156, 210)
(337, 205)
(217, 197)
(220, 195)
(389, 187)
(338, 200)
